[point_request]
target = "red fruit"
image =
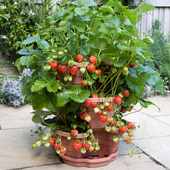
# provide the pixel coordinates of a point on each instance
(94, 104)
(93, 59)
(53, 65)
(94, 96)
(54, 138)
(73, 70)
(114, 123)
(123, 128)
(107, 69)
(103, 118)
(83, 115)
(130, 125)
(110, 107)
(132, 65)
(128, 141)
(98, 72)
(91, 68)
(74, 132)
(79, 58)
(126, 93)
(86, 145)
(91, 149)
(87, 103)
(63, 150)
(123, 109)
(110, 120)
(62, 68)
(84, 83)
(77, 145)
(58, 146)
(51, 142)
(99, 112)
(117, 100)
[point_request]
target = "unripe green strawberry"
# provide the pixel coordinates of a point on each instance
(108, 128)
(70, 78)
(96, 110)
(65, 51)
(47, 144)
(115, 139)
(121, 95)
(71, 63)
(83, 150)
(46, 67)
(38, 143)
(114, 70)
(65, 78)
(82, 70)
(45, 137)
(106, 104)
(101, 106)
(60, 53)
(69, 137)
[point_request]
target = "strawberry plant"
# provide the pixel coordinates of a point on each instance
(96, 44)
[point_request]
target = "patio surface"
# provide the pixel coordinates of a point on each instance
(152, 138)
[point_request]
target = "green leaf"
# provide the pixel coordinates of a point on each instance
(81, 11)
(24, 51)
(53, 86)
(64, 59)
(23, 60)
(159, 85)
(79, 94)
(38, 85)
(59, 30)
(62, 99)
(29, 40)
(101, 44)
(85, 3)
(107, 9)
(144, 8)
(119, 63)
(72, 106)
(145, 103)
(19, 66)
(43, 45)
(37, 119)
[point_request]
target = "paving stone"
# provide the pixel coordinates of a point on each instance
(120, 163)
(149, 126)
(158, 148)
(16, 152)
(165, 119)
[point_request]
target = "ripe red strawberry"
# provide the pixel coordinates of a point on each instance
(123, 128)
(94, 96)
(79, 58)
(91, 68)
(62, 68)
(87, 103)
(73, 70)
(93, 59)
(126, 93)
(74, 132)
(132, 65)
(94, 104)
(83, 115)
(110, 107)
(103, 118)
(117, 100)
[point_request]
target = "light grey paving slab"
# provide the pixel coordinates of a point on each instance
(20, 123)
(149, 126)
(16, 152)
(158, 148)
(162, 102)
(120, 163)
(165, 119)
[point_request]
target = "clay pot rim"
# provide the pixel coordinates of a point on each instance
(82, 64)
(65, 134)
(91, 161)
(102, 99)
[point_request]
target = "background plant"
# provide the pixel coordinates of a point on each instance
(18, 20)
(161, 59)
(11, 89)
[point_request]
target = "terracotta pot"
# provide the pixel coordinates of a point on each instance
(95, 123)
(106, 143)
(71, 152)
(77, 78)
(90, 161)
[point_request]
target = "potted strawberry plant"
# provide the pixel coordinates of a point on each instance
(88, 67)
